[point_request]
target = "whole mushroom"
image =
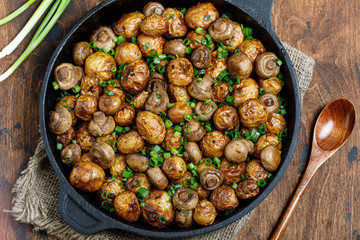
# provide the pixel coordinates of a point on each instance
(222, 29)
(71, 154)
(192, 152)
(102, 154)
(270, 158)
(137, 162)
(101, 125)
(239, 66)
(157, 178)
(211, 178)
(271, 102)
(184, 219)
(201, 90)
(67, 75)
(60, 121)
(103, 36)
(185, 199)
(175, 47)
(236, 151)
(157, 82)
(80, 52)
(266, 66)
(201, 57)
(153, 7)
(157, 102)
(205, 110)
(110, 104)
(194, 131)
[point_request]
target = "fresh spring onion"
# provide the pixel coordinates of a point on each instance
(17, 12)
(49, 21)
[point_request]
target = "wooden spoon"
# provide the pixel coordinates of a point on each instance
(333, 127)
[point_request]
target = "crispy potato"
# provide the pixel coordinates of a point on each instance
(90, 85)
(130, 142)
(87, 176)
(218, 65)
(255, 171)
(147, 44)
(85, 106)
(129, 25)
(84, 138)
(252, 48)
(247, 189)
(118, 166)
(66, 137)
(137, 181)
(125, 116)
(180, 71)
(170, 140)
(202, 192)
(176, 113)
(265, 140)
(139, 100)
(116, 89)
(178, 94)
(232, 172)
(197, 15)
(127, 206)
(226, 118)
(213, 144)
(135, 77)
(204, 213)
(127, 53)
(224, 198)
(247, 89)
(100, 64)
(220, 91)
(276, 124)
(110, 189)
(270, 85)
(150, 126)
(174, 167)
(253, 113)
(176, 23)
(154, 25)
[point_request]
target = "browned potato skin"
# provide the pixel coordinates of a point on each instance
(247, 189)
(224, 198)
(180, 71)
(154, 25)
(127, 206)
(265, 140)
(112, 189)
(158, 204)
(178, 94)
(109, 139)
(84, 138)
(90, 85)
(130, 142)
(100, 65)
(237, 39)
(195, 16)
(202, 192)
(66, 137)
(247, 89)
(220, 91)
(176, 113)
(118, 166)
(218, 65)
(125, 116)
(144, 182)
(225, 118)
(176, 25)
(129, 25)
(252, 48)
(187, 176)
(276, 124)
(86, 157)
(170, 141)
(139, 100)
(174, 167)
(87, 176)
(127, 53)
(80, 52)
(253, 113)
(232, 172)
(156, 43)
(255, 171)
(270, 85)
(150, 126)
(68, 102)
(85, 106)
(136, 76)
(213, 144)
(110, 104)
(116, 89)
(204, 213)
(192, 36)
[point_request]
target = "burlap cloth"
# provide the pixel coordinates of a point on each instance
(35, 194)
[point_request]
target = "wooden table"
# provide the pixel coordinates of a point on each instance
(327, 30)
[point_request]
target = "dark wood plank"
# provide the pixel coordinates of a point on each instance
(324, 29)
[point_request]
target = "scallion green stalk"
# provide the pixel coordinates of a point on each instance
(17, 12)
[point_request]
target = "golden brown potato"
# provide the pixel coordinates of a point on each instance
(60, 121)
(129, 25)
(137, 181)
(147, 44)
(66, 137)
(218, 65)
(109, 104)
(202, 192)
(127, 52)
(204, 213)
(178, 94)
(192, 36)
(224, 198)
(84, 138)
(180, 71)
(116, 89)
(80, 52)
(137, 162)
(252, 48)
(236, 40)
(176, 23)
(201, 15)
(135, 77)
(226, 118)
(176, 113)
(87, 176)
(158, 211)
(125, 116)
(255, 171)
(110, 189)
(118, 166)
(276, 124)
(232, 172)
(71, 154)
(100, 64)
(247, 189)
(68, 102)
(170, 140)
(86, 157)
(154, 25)
(213, 144)
(85, 106)
(220, 91)
(109, 139)
(253, 113)
(127, 206)
(130, 142)
(174, 167)
(139, 100)
(248, 88)
(150, 126)
(103, 36)
(90, 85)
(265, 140)
(184, 180)
(271, 85)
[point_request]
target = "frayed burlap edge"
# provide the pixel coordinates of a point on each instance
(36, 190)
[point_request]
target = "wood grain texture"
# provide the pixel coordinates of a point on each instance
(327, 30)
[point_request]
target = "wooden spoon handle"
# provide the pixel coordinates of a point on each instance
(290, 209)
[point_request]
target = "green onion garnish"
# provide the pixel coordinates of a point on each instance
(104, 194)
(171, 16)
(208, 162)
(262, 183)
(199, 31)
(133, 40)
(183, 11)
(187, 117)
(128, 97)
(55, 85)
(177, 128)
(128, 172)
(143, 192)
(278, 62)
(234, 185)
(112, 179)
(207, 17)
(66, 160)
(59, 146)
(243, 177)
(186, 41)
(167, 155)
(187, 50)
(170, 105)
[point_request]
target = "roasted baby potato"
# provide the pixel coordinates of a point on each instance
(127, 53)
(137, 181)
(232, 172)
(150, 45)
(171, 140)
(127, 206)
(135, 77)
(87, 176)
(176, 23)
(255, 171)
(204, 213)
(174, 167)
(86, 106)
(180, 71)
(118, 166)
(253, 113)
(154, 25)
(176, 113)
(245, 90)
(130, 142)
(111, 188)
(125, 116)
(201, 15)
(150, 126)
(90, 85)
(224, 198)
(129, 25)
(247, 189)
(226, 118)
(178, 94)
(100, 65)
(213, 144)
(252, 48)
(84, 138)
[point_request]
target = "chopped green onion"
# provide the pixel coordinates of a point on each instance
(176, 134)
(128, 172)
(207, 17)
(199, 31)
(247, 32)
(187, 130)
(156, 148)
(158, 96)
(193, 184)
(270, 176)
(198, 40)
(66, 160)
(73, 141)
(167, 155)
(229, 99)
(161, 69)
(162, 219)
(208, 162)
(143, 192)
(280, 76)
(136, 183)
(186, 41)
(183, 11)
(262, 91)
(234, 185)
(261, 129)
(147, 45)
(199, 79)
(104, 194)
(113, 177)
(92, 44)
(228, 212)
(170, 105)
(194, 173)
(177, 128)
(187, 50)
(207, 101)
(278, 62)
(55, 85)
(171, 16)
(190, 166)
(133, 105)
(59, 146)
(208, 127)
(183, 140)
(225, 15)
(119, 130)
(262, 183)
(168, 123)
(128, 97)
(76, 89)
(243, 177)
(133, 40)
(187, 117)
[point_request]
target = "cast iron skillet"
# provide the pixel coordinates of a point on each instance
(80, 210)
